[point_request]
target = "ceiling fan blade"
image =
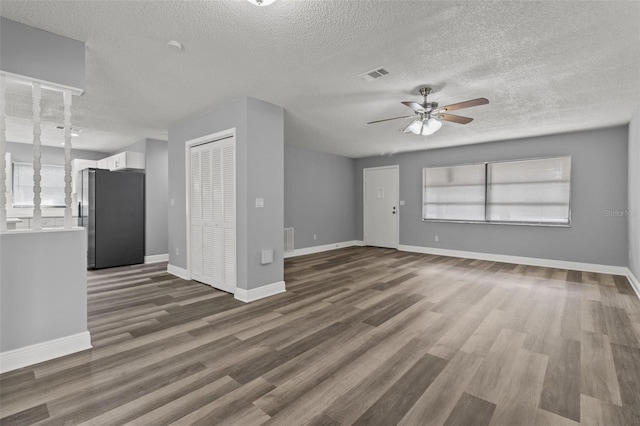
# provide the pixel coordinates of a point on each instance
(455, 118)
(389, 119)
(465, 104)
(414, 106)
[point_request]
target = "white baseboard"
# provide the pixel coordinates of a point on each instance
(532, 261)
(155, 258)
(40, 352)
(178, 272)
(325, 247)
(260, 292)
(635, 283)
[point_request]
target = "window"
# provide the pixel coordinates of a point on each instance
(520, 192)
(529, 191)
(52, 185)
(454, 193)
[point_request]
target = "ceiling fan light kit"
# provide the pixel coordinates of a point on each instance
(424, 127)
(174, 45)
(430, 116)
(261, 2)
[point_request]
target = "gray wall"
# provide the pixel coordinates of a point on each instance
(47, 302)
(599, 183)
(259, 130)
(23, 153)
(319, 197)
(156, 193)
(140, 146)
(231, 115)
(39, 54)
(634, 194)
(265, 179)
(157, 197)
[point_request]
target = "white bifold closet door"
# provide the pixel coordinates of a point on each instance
(213, 214)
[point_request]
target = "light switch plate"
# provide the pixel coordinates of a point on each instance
(402, 202)
(259, 203)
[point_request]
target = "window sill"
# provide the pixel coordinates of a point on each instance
(482, 222)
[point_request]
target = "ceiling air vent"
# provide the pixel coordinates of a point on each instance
(73, 129)
(373, 74)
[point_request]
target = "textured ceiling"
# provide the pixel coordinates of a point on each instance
(546, 67)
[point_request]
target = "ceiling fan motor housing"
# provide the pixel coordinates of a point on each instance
(430, 113)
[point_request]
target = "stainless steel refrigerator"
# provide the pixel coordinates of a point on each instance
(111, 207)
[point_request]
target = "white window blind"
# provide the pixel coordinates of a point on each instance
(536, 191)
(52, 185)
(454, 193)
(529, 191)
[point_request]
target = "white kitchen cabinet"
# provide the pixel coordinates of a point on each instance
(81, 164)
(116, 162)
(47, 222)
(24, 224)
(104, 163)
(127, 160)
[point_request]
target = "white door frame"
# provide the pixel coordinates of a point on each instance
(364, 201)
(213, 137)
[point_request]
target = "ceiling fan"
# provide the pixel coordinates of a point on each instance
(430, 115)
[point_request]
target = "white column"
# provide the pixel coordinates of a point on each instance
(68, 221)
(3, 151)
(37, 212)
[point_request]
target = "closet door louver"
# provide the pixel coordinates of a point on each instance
(229, 182)
(213, 214)
(207, 219)
(218, 209)
(229, 224)
(195, 209)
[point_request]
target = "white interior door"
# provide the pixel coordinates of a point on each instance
(212, 241)
(381, 207)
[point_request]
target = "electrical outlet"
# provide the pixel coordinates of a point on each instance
(177, 251)
(173, 201)
(314, 236)
(437, 238)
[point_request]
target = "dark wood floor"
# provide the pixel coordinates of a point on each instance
(362, 336)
